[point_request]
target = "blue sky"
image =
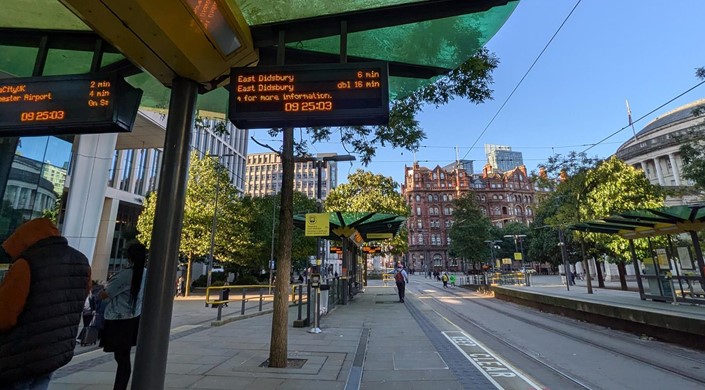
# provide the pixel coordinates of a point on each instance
(608, 51)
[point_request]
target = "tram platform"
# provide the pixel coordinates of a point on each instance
(373, 342)
(610, 306)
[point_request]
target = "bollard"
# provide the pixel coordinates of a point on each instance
(244, 295)
(220, 312)
(260, 299)
(301, 291)
(308, 302)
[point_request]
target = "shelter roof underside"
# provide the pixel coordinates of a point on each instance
(648, 222)
(347, 224)
(421, 40)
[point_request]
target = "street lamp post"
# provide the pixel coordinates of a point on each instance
(564, 255)
(493, 245)
(518, 245)
(209, 270)
(320, 163)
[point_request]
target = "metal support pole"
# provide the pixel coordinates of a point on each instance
(308, 301)
(260, 299)
(244, 299)
(564, 254)
(209, 270)
(220, 312)
(301, 293)
(637, 271)
(153, 340)
(698, 255)
(319, 208)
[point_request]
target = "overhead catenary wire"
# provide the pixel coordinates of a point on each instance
(644, 116)
(522, 78)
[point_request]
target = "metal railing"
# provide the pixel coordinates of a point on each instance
(244, 295)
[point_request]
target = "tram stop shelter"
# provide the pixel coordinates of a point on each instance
(180, 54)
(352, 230)
(673, 269)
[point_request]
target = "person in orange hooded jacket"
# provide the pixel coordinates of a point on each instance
(41, 300)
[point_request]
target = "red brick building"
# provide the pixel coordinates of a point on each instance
(502, 196)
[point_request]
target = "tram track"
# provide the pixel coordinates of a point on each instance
(659, 365)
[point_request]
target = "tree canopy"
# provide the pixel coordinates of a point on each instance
(368, 192)
(233, 239)
(469, 231)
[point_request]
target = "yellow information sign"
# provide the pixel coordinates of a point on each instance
(317, 224)
(517, 255)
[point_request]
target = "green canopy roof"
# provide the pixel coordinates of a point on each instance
(397, 31)
(364, 223)
(648, 222)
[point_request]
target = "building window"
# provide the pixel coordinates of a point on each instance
(126, 170)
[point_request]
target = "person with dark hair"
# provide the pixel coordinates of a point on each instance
(41, 301)
(124, 293)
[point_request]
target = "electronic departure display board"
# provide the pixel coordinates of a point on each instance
(309, 95)
(76, 104)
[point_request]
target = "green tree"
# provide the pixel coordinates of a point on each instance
(543, 238)
(368, 192)
(469, 231)
(570, 171)
(618, 187)
(233, 239)
(265, 221)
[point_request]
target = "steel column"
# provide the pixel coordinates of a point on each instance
(153, 340)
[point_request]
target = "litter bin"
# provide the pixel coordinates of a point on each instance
(325, 290)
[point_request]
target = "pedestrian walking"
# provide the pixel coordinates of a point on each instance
(401, 278)
(452, 280)
(180, 284)
(41, 304)
(444, 279)
(122, 314)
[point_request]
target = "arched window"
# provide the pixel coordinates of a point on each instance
(529, 211)
(517, 211)
(430, 198)
(418, 198)
(437, 260)
(504, 211)
(435, 197)
(483, 211)
(445, 197)
(443, 176)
